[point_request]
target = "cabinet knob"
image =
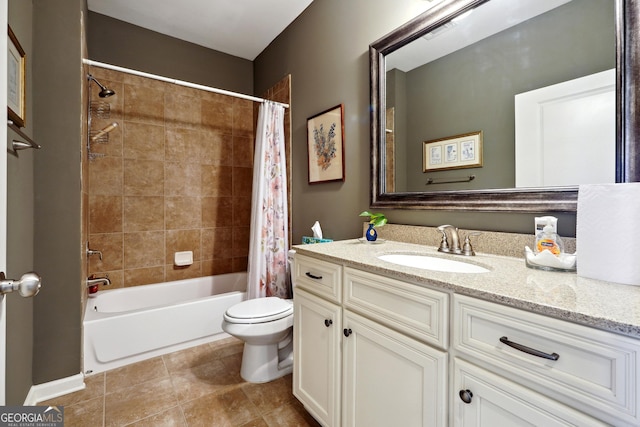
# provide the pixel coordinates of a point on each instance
(328, 322)
(465, 396)
(347, 332)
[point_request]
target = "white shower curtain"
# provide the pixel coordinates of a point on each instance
(267, 269)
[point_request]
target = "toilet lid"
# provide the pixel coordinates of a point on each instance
(260, 310)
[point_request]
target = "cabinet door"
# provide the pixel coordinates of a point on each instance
(316, 355)
(390, 379)
(483, 399)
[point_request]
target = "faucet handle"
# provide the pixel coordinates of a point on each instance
(444, 243)
(467, 249)
(93, 252)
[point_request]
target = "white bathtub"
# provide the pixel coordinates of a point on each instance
(122, 326)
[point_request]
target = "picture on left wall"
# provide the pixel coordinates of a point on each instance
(325, 145)
(16, 73)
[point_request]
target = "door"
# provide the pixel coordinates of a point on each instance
(316, 352)
(482, 398)
(3, 192)
(390, 379)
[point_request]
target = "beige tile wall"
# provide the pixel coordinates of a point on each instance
(176, 175)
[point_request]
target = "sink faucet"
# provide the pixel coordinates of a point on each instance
(466, 249)
(455, 240)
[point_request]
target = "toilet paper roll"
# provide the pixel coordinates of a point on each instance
(608, 232)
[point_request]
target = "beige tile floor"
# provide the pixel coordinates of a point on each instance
(200, 386)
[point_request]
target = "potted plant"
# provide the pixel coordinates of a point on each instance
(375, 220)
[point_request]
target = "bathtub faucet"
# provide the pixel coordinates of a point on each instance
(93, 282)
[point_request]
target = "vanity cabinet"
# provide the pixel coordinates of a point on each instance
(317, 332)
(371, 350)
(354, 362)
(521, 365)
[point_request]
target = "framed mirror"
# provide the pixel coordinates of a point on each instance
(412, 125)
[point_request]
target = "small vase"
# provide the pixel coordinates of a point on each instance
(371, 233)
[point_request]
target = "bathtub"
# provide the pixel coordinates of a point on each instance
(122, 326)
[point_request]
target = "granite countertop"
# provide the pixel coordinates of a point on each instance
(605, 305)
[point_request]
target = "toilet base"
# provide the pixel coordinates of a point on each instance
(279, 362)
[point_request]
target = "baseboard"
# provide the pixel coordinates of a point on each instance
(52, 389)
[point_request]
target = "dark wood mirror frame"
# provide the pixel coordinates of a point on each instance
(553, 199)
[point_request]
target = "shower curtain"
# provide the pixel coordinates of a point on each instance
(267, 269)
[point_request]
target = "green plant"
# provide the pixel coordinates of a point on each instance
(377, 219)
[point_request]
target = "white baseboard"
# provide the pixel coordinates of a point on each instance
(46, 391)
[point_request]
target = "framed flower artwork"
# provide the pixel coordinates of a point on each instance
(325, 145)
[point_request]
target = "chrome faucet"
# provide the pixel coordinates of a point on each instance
(454, 248)
(93, 252)
(95, 281)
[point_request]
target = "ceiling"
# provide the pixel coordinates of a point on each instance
(242, 28)
(485, 21)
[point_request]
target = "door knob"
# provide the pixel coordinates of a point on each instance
(27, 286)
(465, 396)
(328, 322)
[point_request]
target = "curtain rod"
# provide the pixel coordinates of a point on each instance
(178, 82)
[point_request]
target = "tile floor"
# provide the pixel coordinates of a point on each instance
(200, 386)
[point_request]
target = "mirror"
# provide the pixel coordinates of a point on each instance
(487, 188)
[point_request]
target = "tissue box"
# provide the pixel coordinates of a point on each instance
(307, 240)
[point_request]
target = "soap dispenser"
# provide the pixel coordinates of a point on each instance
(548, 240)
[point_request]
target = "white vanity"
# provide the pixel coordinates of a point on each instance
(381, 344)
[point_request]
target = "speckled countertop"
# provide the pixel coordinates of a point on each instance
(609, 306)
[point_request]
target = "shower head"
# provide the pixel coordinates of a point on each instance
(104, 91)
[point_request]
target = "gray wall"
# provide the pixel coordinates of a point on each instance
(119, 43)
(326, 52)
(58, 80)
(20, 234)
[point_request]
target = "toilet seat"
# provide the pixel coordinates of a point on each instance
(259, 310)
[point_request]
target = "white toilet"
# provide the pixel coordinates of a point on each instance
(266, 327)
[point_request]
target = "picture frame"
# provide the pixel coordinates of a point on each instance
(16, 76)
(325, 145)
(453, 152)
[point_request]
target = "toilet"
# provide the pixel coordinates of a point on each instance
(266, 327)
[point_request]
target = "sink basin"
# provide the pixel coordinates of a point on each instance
(427, 262)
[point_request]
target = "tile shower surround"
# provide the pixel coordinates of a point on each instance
(176, 175)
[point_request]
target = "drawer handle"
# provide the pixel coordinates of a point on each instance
(529, 350)
(347, 332)
(312, 276)
(328, 322)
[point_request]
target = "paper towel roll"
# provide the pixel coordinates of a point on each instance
(608, 232)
